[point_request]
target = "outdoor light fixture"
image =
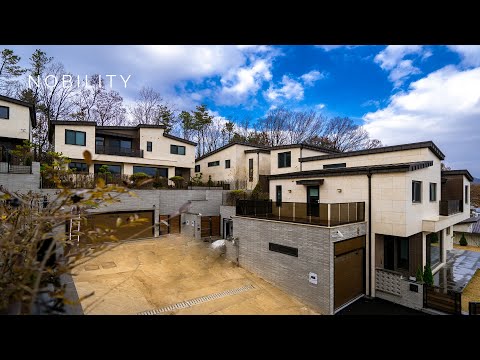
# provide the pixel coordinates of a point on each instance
(339, 190)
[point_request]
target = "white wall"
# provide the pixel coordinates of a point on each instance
(18, 126)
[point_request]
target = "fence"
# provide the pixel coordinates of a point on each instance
(11, 164)
(447, 301)
(318, 214)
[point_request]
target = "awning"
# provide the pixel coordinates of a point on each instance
(310, 182)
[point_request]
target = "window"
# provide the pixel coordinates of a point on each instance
(227, 164)
(433, 192)
(113, 169)
(434, 249)
(122, 144)
(149, 146)
(177, 149)
(178, 172)
(4, 112)
(197, 168)
(466, 194)
(448, 230)
(335, 166)
(151, 171)
(284, 159)
(99, 141)
(78, 167)
(287, 250)
(250, 170)
(73, 137)
(416, 191)
(279, 195)
(213, 163)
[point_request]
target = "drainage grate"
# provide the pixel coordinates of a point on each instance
(196, 301)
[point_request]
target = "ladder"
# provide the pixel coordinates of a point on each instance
(74, 222)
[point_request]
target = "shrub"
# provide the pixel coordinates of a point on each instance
(138, 176)
(428, 275)
(258, 194)
(210, 182)
(463, 241)
(178, 181)
(197, 180)
(159, 182)
(419, 274)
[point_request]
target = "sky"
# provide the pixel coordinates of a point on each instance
(399, 93)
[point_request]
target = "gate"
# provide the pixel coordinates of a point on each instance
(173, 227)
(210, 226)
(448, 301)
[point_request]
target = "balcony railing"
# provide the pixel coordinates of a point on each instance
(315, 214)
(11, 164)
(450, 207)
(107, 150)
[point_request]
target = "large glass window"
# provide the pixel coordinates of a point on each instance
(151, 171)
(113, 169)
(284, 159)
(177, 149)
(99, 141)
(4, 112)
(122, 144)
(433, 192)
(73, 137)
(416, 191)
(78, 167)
(434, 249)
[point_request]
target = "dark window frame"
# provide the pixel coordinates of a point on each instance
(414, 198)
(213, 163)
(149, 146)
(278, 195)
(448, 230)
(250, 170)
(335, 166)
(8, 112)
(75, 132)
(197, 168)
(227, 164)
(82, 165)
(282, 249)
(98, 165)
(466, 194)
(174, 149)
(434, 193)
(141, 169)
(284, 159)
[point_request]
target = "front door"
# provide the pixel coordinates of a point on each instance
(389, 252)
(227, 228)
(313, 200)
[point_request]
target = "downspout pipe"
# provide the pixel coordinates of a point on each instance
(369, 175)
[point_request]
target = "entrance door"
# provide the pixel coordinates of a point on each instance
(227, 228)
(313, 200)
(389, 252)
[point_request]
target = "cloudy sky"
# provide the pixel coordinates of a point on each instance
(400, 93)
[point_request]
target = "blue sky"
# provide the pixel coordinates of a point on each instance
(400, 93)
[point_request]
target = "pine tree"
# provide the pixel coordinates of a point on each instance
(428, 275)
(463, 241)
(419, 274)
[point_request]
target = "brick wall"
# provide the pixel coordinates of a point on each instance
(407, 298)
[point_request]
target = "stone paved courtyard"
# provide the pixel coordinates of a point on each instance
(152, 274)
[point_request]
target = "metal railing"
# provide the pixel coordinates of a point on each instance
(316, 214)
(109, 150)
(11, 164)
(450, 207)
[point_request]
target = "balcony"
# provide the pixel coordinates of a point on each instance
(119, 151)
(314, 214)
(450, 207)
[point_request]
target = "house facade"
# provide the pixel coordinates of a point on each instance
(125, 150)
(355, 223)
(469, 228)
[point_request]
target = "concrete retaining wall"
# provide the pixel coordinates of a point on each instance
(22, 182)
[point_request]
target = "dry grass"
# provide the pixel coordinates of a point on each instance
(468, 247)
(471, 292)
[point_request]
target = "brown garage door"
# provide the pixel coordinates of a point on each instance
(349, 270)
(109, 220)
(173, 226)
(210, 226)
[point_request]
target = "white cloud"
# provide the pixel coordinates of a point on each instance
(443, 106)
(470, 54)
(375, 103)
(311, 77)
(335, 47)
(320, 106)
(392, 59)
(289, 89)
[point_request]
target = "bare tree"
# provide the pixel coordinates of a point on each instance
(109, 109)
(85, 99)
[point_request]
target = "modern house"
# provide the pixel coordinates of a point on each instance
(17, 119)
(124, 150)
(470, 228)
(242, 164)
(343, 225)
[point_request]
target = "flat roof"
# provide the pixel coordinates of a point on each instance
(463, 172)
(31, 107)
(420, 145)
(357, 170)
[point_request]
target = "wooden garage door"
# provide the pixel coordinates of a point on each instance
(109, 220)
(210, 226)
(173, 226)
(349, 270)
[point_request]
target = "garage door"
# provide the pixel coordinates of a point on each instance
(173, 226)
(109, 220)
(349, 270)
(210, 226)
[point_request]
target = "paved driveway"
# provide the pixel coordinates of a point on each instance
(176, 275)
